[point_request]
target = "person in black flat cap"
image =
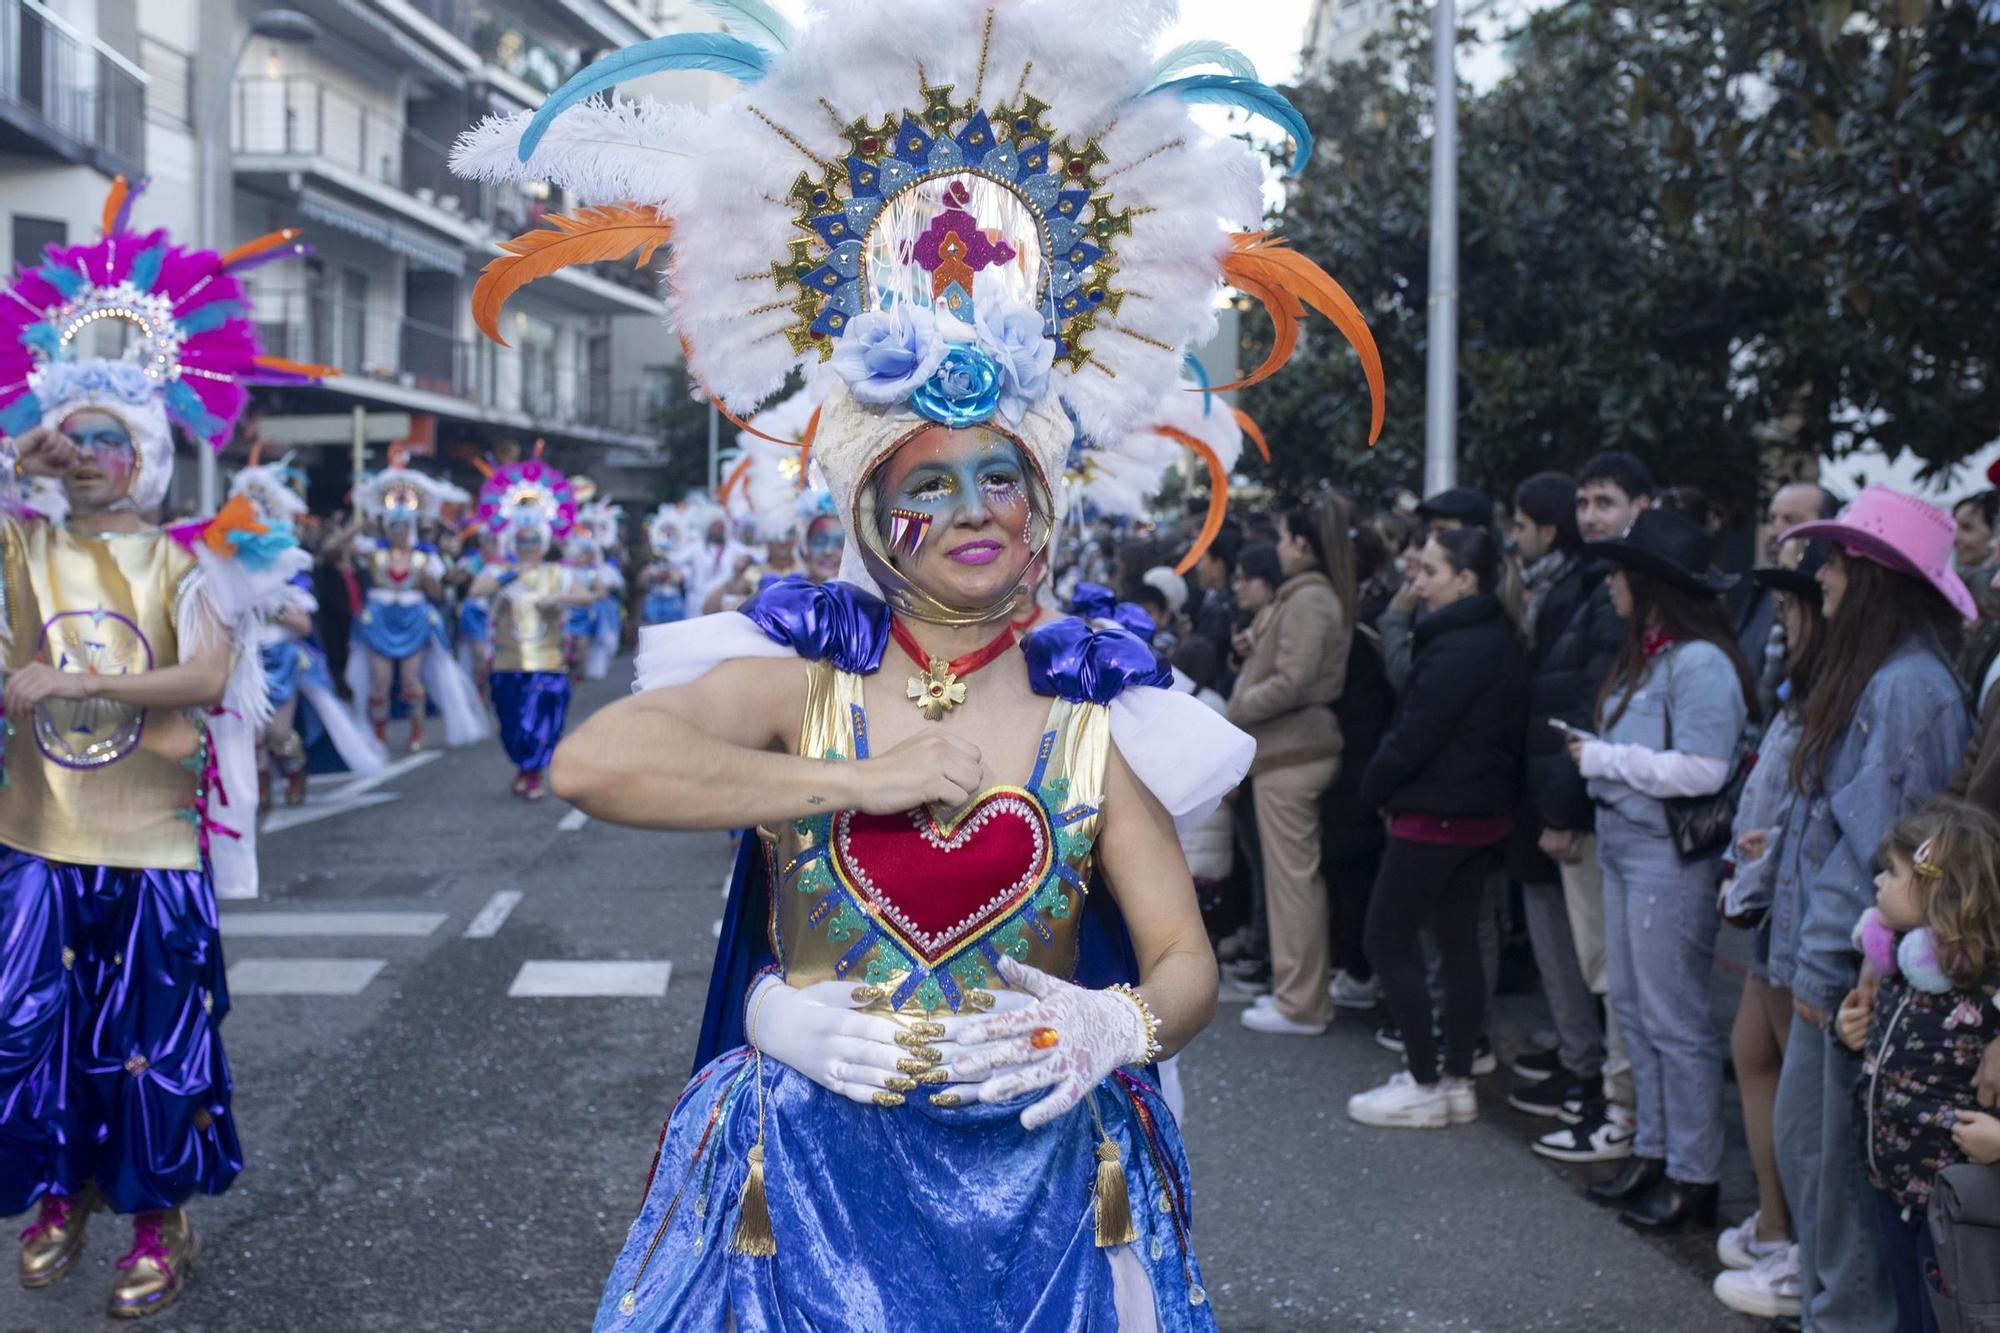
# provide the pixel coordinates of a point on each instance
(1669, 717)
(1459, 507)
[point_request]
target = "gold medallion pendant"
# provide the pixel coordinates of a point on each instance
(937, 690)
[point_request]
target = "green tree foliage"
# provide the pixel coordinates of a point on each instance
(1715, 233)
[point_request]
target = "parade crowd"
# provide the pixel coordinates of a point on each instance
(1550, 725)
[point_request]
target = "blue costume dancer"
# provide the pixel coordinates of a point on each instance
(400, 630)
(134, 695)
(964, 931)
(529, 506)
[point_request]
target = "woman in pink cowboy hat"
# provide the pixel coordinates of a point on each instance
(1884, 720)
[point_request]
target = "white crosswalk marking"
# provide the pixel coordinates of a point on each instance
(302, 976)
(344, 794)
(280, 925)
(492, 916)
(563, 979)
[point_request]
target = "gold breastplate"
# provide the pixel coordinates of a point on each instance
(91, 781)
(525, 637)
(922, 905)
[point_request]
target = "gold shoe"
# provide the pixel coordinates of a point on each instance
(51, 1243)
(153, 1273)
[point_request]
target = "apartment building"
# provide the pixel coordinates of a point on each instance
(338, 116)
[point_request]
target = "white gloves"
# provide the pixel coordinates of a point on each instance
(1096, 1031)
(868, 1058)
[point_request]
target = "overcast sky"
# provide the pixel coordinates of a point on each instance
(1268, 31)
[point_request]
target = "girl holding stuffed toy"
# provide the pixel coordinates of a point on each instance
(1923, 1012)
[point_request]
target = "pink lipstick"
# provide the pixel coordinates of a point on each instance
(975, 553)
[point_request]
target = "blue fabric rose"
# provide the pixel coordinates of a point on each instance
(964, 391)
(886, 354)
(1014, 335)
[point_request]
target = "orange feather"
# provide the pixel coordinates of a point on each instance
(1218, 495)
(588, 236)
(268, 241)
(1254, 431)
(1285, 281)
(305, 368)
(736, 474)
(121, 189)
(806, 449)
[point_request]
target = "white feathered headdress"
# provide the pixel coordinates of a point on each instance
(999, 214)
(399, 492)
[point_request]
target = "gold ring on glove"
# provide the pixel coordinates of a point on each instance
(950, 1101)
(918, 1067)
(888, 1101)
(1043, 1039)
(899, 1083)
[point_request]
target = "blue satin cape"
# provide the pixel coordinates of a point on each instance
(890, 1219)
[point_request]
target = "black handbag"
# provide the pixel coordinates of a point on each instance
(1700, 825)
(1964, 1221)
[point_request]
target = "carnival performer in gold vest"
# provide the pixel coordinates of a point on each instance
(133, 697)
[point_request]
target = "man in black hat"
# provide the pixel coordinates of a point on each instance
(1459, 507)
(1757, 632)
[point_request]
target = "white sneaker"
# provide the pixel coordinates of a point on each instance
(1461, 1102)
(1769, 1290)
(1602, 1135)
(1347, 993)
(1264, 1001)
(1266, 1018)
(1739, 1248)
(1401, 1103)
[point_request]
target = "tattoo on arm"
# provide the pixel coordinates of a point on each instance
(815, 800)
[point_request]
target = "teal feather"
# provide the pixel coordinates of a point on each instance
(755, 21)
(1199, 372)
(1195, 55)
(1259, 99)
(714, 52)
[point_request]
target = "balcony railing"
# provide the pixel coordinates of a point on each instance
(79, 97)
(297, 116)
(363, 341)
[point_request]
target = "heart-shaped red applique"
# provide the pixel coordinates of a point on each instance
(934, 886)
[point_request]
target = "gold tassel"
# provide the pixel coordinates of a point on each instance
(1114, 1205)
(753, 1211)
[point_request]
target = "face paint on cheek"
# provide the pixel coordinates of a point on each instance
(907, 530)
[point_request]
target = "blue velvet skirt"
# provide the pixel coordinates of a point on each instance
(585, 622)
(531, 706)
(111, 1064)
(475, 622)
(397, 631)
(916, 1217)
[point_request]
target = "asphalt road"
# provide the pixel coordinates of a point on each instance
(430, 1150)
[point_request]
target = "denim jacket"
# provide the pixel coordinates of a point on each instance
(1767, 796)
(1909, 726)
(1700, 684)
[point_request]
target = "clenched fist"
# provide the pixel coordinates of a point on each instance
(930, 766)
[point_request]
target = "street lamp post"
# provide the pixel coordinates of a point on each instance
(285, 25)
(1441, 359)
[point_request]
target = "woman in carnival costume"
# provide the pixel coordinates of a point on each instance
(594, 624)
(966, 931)
(401, 629)
(529, 506)
(664, 579)
(475, 613)
(133, 707)
(296, 680)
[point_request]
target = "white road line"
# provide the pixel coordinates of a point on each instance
(492, 916)
(277, 925)
(302, 976)
(389, 772)
(572, 821)
(546, 979)
(313, 812)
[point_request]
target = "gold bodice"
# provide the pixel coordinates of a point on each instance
(91, 781)
(921, 905)
(525, 636)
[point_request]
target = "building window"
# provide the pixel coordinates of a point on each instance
(32, 235)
